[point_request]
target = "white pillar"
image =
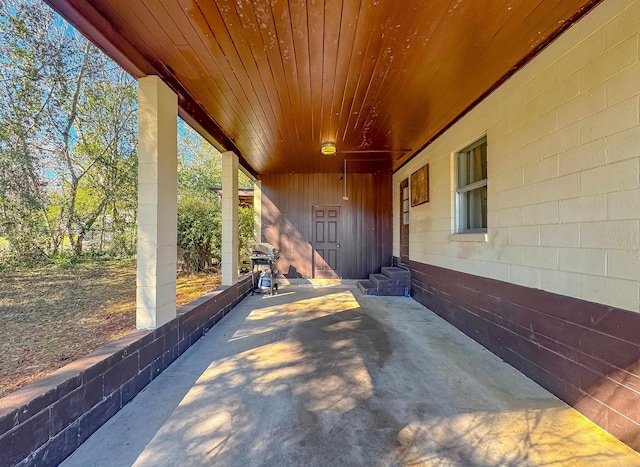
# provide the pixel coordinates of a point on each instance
(230, 242)
(157, 203)
(257, 211)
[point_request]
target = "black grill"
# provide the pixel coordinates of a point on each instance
(264, 254)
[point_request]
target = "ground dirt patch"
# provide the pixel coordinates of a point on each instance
(51, 316)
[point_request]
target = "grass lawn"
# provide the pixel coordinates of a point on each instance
(51, 316)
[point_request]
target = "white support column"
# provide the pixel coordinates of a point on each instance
(257, 211)
(230, 244)
(157, 203)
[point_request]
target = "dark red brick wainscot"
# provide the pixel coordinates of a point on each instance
(585, 353)
(44, 422)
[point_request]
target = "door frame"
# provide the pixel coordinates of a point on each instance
(404, 202)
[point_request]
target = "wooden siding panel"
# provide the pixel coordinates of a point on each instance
(363, 231)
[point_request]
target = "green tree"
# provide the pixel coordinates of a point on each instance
(245, 230)
(199, 212)
(67, 139)
(24, 95)
(199, 231)
(103, 168)
(199, 208)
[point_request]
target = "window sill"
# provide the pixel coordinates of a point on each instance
(479, 237)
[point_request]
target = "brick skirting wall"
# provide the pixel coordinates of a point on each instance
(585, 353)
(44, 422)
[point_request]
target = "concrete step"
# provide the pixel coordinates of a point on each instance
(388, 289)
(391, 281)
(367, 287)
(395, 292)
(397, 274)
(392, 290)
(380, 280)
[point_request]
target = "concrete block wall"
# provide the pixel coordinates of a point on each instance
(585, 353)
(44, 422)
(553, 287)
(564, 170)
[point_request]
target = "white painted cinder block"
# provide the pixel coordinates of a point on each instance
(583, 209)
(582, 52)
(561, 282)
(157, 204)
(623, 86)
(611, 120)
(560, 188)
(541, 257)
(583, 157)
(563, 170)
(527, 235)
(560, 235)
(619, 235)
(615, 292)
(524, 275)
(622, 264)
(583, 260)
(622, 25)
(540, 214)
(612, 62)
(546, 169)
(514, 178)
(619, 176)
(624, 145)
(588, 103)
(510, 217)
(557, 142)
(624, 205)
(498, 271)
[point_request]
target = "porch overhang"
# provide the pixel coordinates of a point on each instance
(272, 81)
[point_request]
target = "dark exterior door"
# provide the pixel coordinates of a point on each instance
(326, 241)
(404, 221)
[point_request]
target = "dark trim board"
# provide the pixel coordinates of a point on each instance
(585, 353)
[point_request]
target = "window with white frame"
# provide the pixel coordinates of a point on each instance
(471, 188)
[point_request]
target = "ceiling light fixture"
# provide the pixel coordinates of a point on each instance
(328, 149)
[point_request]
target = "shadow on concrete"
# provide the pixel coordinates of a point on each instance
(320, 377)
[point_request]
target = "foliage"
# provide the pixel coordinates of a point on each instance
(199, 232)
(199, 173)
(67, 138)
(244, 182)
(68, 152)
(246, 223)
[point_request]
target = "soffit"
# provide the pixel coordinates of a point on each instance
(274, 79)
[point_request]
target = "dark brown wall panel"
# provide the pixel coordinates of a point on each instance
(585, 353)
(363, 229)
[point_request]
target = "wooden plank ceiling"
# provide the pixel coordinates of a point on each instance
(274, 79)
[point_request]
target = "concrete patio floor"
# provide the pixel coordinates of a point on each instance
(329, 377)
